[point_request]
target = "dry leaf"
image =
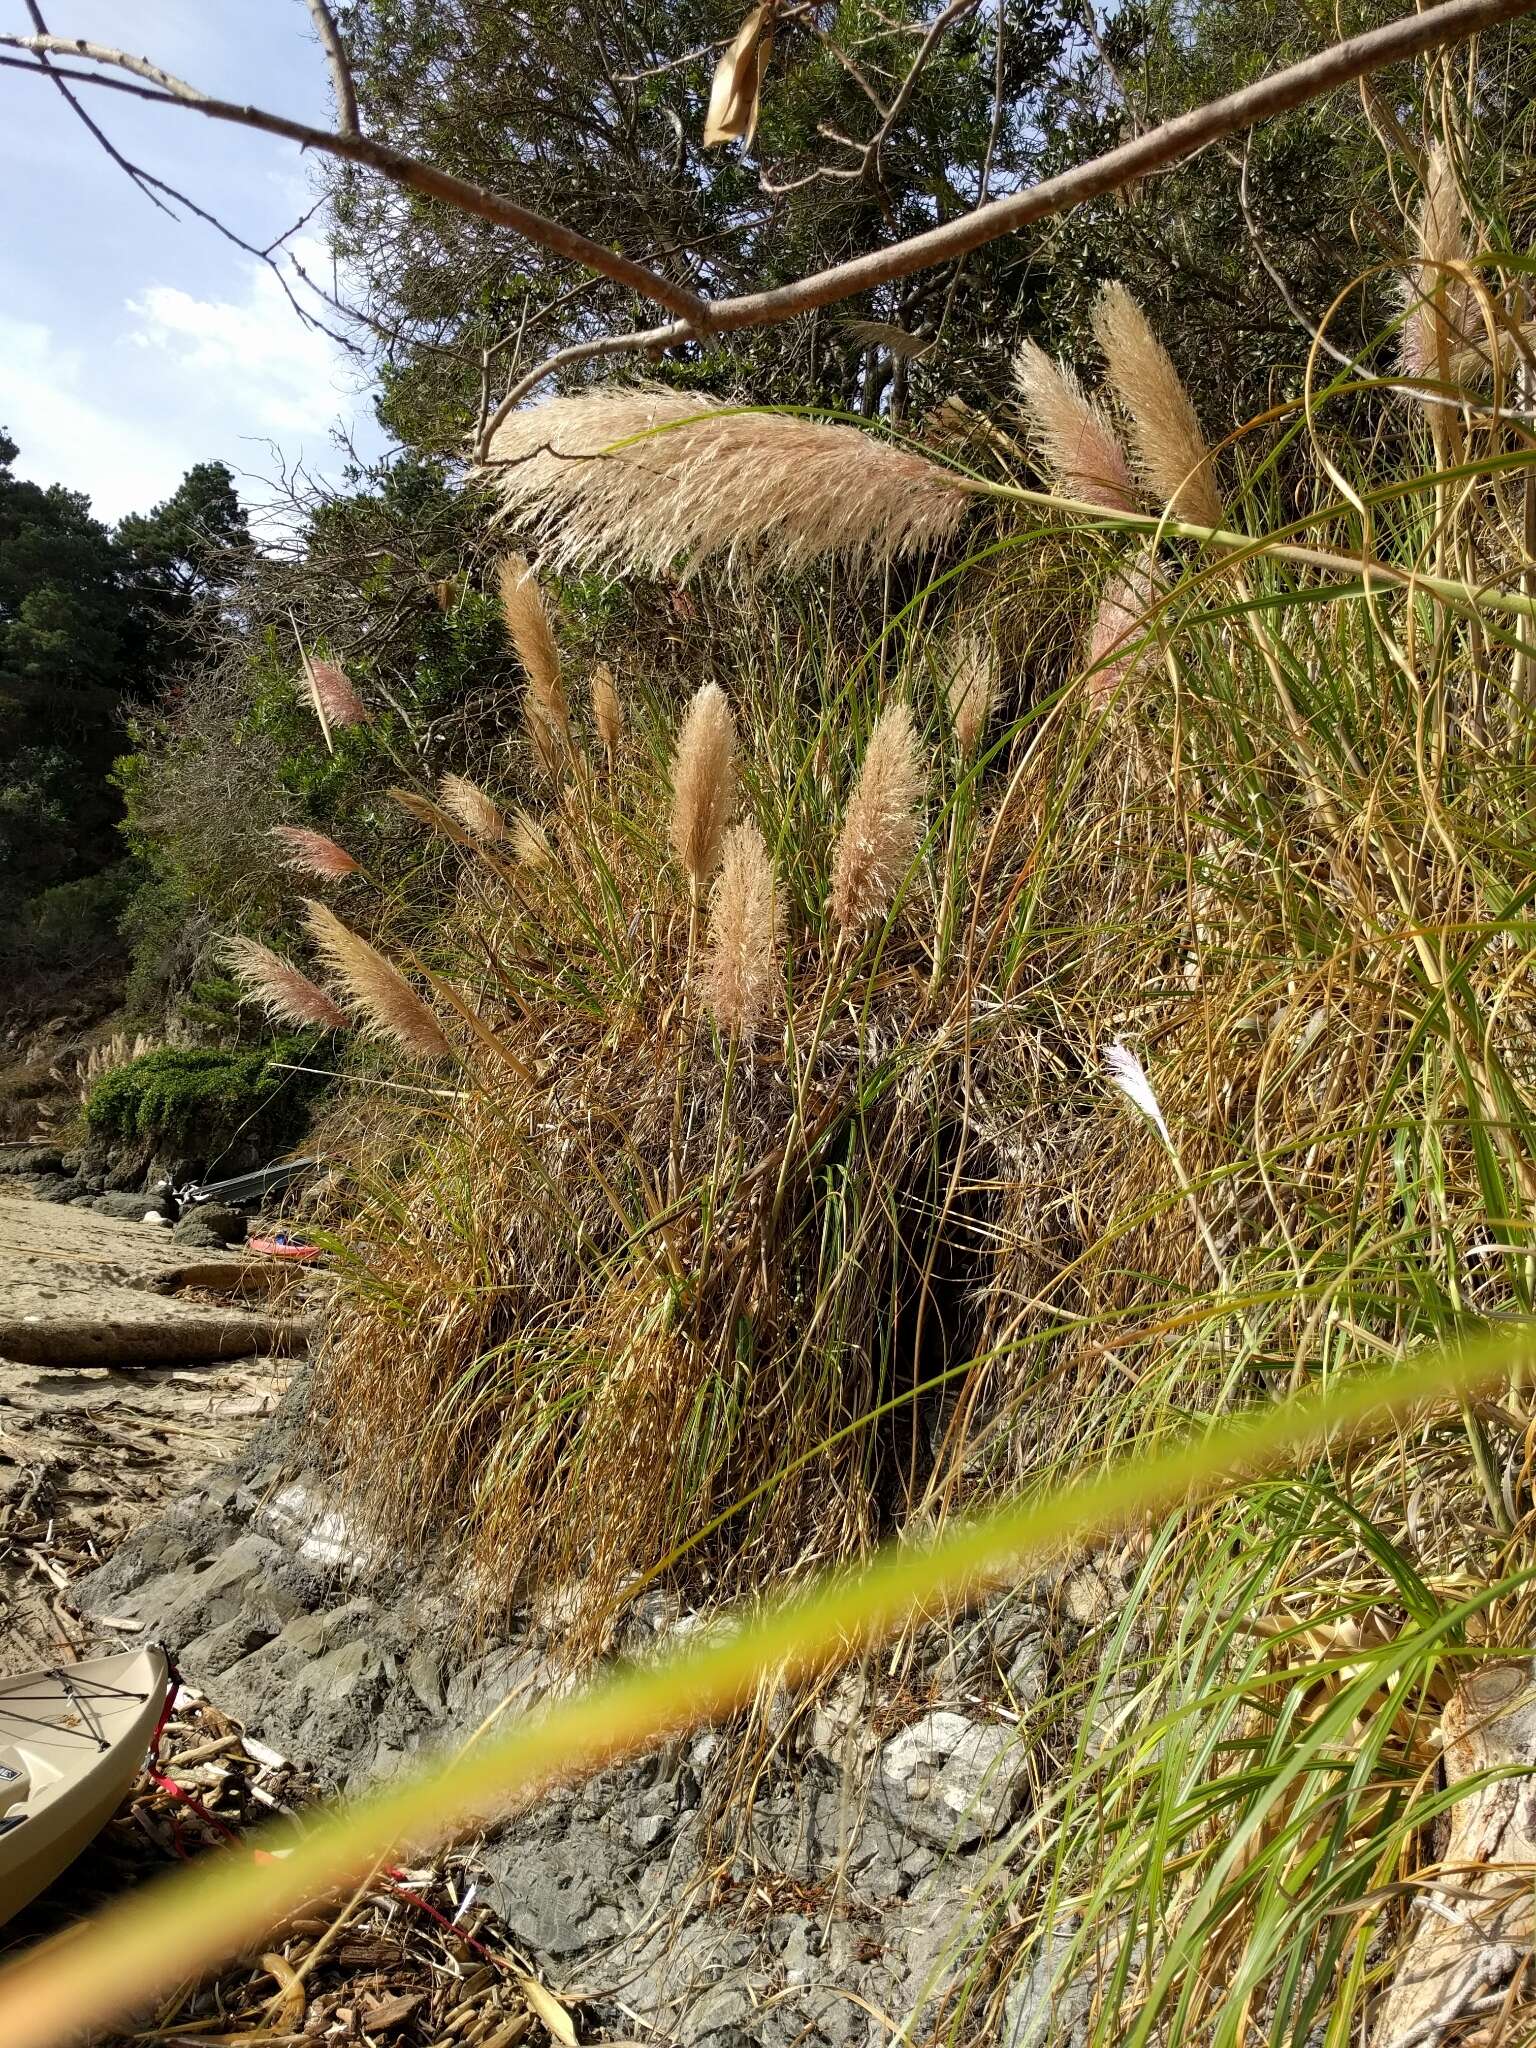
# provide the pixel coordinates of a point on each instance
(882, 334)
(549, 2010)
(738, 82)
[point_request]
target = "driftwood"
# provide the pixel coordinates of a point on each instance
(1476, 1914)
(176, 1336)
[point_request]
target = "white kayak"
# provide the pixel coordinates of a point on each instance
(72, 1741)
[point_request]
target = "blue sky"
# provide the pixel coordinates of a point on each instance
(132, 346)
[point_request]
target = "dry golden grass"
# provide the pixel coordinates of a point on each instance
(881, 826)
(764, 490)
(1170, 449)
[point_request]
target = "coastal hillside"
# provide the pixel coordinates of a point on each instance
(838, 971)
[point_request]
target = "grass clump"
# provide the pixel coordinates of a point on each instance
(199, 1100)
(743, 1220)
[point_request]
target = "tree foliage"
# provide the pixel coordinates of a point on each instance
(92, 623)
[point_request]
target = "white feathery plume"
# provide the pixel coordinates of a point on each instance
(1124, 1071)
(1127, 1074)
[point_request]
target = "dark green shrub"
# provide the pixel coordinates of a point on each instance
(202, 1100)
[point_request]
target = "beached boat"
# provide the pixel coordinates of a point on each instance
(72, 1740)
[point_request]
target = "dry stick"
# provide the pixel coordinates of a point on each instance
(1157, 150)
(341, 71)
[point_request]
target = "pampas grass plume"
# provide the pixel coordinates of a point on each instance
(1165, 434)
(1072, 436)
(607, 711)
(545, 709)
(741, 969)
(388, 1007)
(335, 695)
(1120, 646)
(970, 687)
(468, 802)
(703, 785)
(287, 996)
(641, 477)
(530, 842)
(311, 853)
(1435, 300)
(881, 827)
(1126, 1073)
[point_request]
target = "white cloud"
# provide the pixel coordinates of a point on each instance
(70, 434)
(278, 375)
(183, 379)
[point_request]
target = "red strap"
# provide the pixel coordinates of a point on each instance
(221, 1827)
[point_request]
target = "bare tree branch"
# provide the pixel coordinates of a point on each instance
(340, 70)
(1412, 35)
(130, 170)
(1155, 150)
(162, 89)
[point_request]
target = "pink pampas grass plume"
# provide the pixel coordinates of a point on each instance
(1170, 448)
(703, 785)
(338, 702)
(311, 853)
(387, 1006)
(640, 478)
(881, 827)
(1072, 435)
(741, 969)
(287, 996)
(1122, 644)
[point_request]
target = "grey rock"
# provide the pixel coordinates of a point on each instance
(650, 1829)
(1029, 1675)
(342, 1672)
(56, 1190)
(30, 1159)
(126, 1172)
(211, 1225)
(212, 1654)
(127, 1208)
(951, 1781)
(1048, 2004)
(424, 1675)
(840, 1722)
(559, 1897)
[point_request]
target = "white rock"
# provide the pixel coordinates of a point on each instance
(952, 1781)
